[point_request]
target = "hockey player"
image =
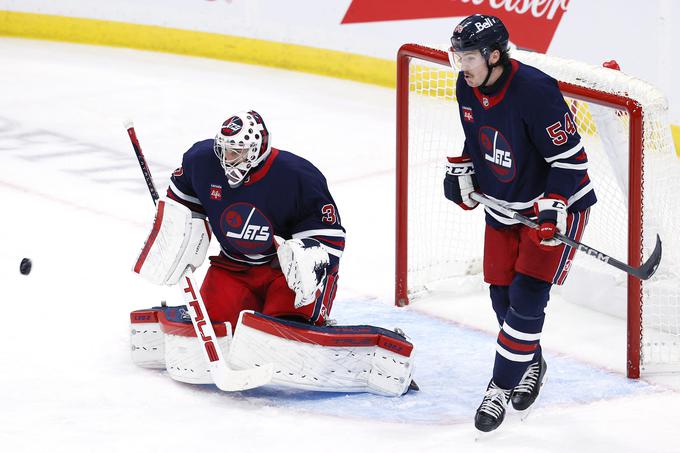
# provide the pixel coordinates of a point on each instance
(522, 150)
(274, 281)
(249, 193)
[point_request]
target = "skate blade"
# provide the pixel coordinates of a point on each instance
(481, 436)
(525, 413)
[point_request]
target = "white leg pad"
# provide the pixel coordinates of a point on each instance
(185, 359)
(146, 339)
(390, 373)
(331, 359)
(163, 338)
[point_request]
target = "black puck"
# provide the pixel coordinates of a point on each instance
(25, 266)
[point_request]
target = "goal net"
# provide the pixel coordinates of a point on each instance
(632, 164)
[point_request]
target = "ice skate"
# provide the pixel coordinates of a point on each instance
(527, 391)
(491, 412)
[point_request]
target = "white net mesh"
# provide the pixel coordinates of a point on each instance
(445, 241)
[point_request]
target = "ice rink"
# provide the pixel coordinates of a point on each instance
(74, 201)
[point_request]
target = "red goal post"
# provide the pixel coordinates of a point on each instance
(623, 121)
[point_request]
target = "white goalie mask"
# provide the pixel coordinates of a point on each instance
(241, 144)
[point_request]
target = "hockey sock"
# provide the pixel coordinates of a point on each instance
(500, 301)
(518, 343)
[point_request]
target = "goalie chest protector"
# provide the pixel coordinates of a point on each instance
(285, 195)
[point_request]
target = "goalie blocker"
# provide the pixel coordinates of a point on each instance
(330, 359)
(178, 240)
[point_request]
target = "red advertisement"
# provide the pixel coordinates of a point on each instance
(531, 23)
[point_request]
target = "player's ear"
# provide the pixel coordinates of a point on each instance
(494, 57)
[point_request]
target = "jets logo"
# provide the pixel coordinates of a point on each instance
(232, 126)
(498, 154)
(246, 228)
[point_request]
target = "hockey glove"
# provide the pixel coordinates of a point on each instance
(177, 240)
(304, 263)
(460, 182)
(552, 218)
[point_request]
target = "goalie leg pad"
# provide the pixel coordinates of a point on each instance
(329, 359)
(184, 356)
(185, 359)
(146, 339)
(164, 338)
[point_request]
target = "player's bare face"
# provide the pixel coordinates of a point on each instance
(475, 78)
(473, 65)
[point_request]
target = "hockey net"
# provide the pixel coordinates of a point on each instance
(633, 166)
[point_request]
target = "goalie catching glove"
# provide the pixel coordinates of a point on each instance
(460, 182)
(304, 263)
(177, 240)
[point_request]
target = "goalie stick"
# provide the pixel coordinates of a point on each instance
(644, 272)
(142, 161)
(225, 378)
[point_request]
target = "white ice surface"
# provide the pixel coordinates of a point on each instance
(73, 200)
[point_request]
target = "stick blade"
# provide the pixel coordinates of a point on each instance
(651, 265)
(229, 380)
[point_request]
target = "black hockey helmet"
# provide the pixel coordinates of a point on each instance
(480, 32)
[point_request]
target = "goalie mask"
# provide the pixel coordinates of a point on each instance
(241, 144)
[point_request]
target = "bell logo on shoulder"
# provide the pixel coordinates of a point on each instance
(215, 192)
(232, 126)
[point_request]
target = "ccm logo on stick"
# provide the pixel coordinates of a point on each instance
(600, 256)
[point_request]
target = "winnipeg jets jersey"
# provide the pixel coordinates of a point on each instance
(285, 195)
(523, 143)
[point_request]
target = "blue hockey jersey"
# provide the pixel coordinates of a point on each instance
(285, 195)
(524, 143)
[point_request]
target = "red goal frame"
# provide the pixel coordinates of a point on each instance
(636, 151)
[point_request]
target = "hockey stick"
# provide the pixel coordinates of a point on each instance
(142, 161)
(643, 272)
(225, 378)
